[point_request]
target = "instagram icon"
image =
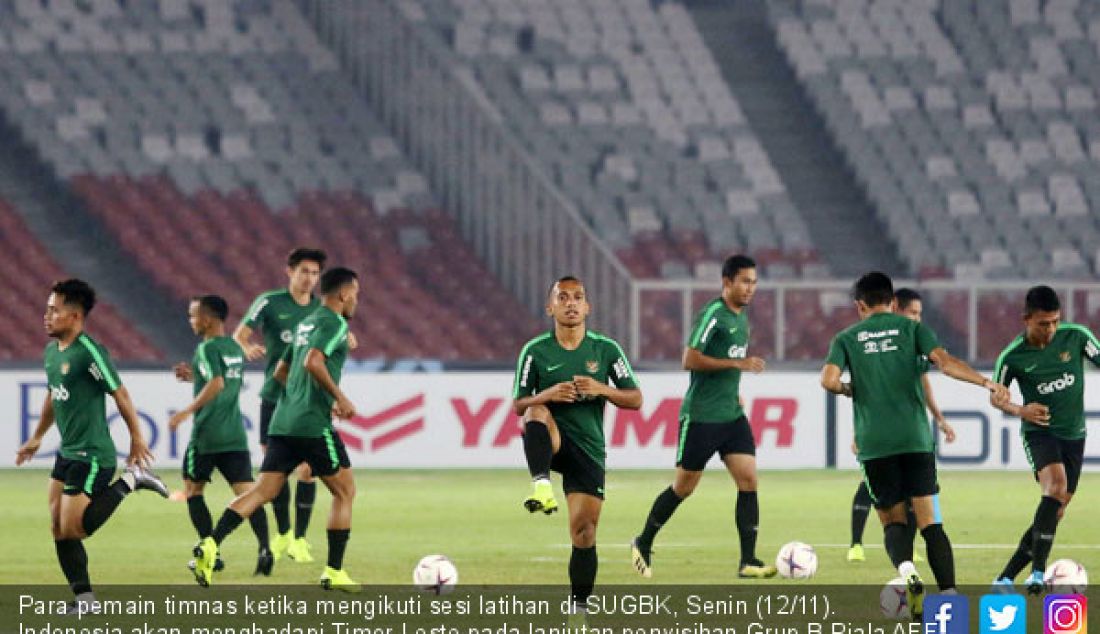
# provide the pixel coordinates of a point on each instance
(1065, 614)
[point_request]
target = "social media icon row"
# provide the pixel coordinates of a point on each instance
(1005, 614)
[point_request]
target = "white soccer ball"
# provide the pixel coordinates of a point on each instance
(1066, 576)
(796, 560)
(435, 574)
(893, 601)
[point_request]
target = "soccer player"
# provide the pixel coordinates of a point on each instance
(1047, 361)
(882, 353)
(712, 417)
(560, 390)
(277, 313)
(301, 429)
(81, 498)
(909, 303)
(218, 439)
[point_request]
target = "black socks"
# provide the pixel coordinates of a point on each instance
(74, 563)
(582, 573)
(940, 558)
(538, 448)
(898, 545)
(280, 506)
(103, 504)
(228, 523)
(663, 507)
(1043, 529)
(861, 508)
(200, 516)
(337, 543)
(304, 495)
(748, 518)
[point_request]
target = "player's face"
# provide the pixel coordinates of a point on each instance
(196, 317)
(60, 318)
(350, 296)
(568, 303)
(1041, 325)
(304, 276)
(913, 310)
(740, 289)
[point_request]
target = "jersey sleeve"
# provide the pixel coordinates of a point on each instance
(1090, 346)
(211, 364)
(526, 380)
(101, 367)
(706, 323)
(838, 356)
(255, 314)
(328, 335)
(926, 338)
(1002, 372)
(619, 370)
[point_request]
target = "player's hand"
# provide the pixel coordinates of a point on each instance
(587, 387)
(139, 453)
(182, 370)
(564, 392)
(946, 428)
(254, 351)
(753, 364)
(998, 393)
(855, 447)
(353, 343)
(1036, 414)
(176, 420)
(27, 451)
(343, 408)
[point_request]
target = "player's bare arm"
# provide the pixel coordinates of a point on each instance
(315, 365)
(208, 393)
(937, 414)
(139, 451)
(182, 371)
(830, 380)
(45, 421)
(282, 371)
(621, 398)
(564, 392)
(960, 370)
(695, 361)
(1034, 413)
(252, 351)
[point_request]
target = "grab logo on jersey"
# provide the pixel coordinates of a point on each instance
(738, 352)
(59, 393)
(1057, 385)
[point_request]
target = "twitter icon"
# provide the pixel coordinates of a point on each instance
(1003, 614)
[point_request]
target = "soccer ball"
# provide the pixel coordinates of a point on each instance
(892, 599)
(435, 574)
(1066, 576)
(796, 560)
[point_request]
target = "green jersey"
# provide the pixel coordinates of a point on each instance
(714, 397)
(78, 377)
(1053, 375)
(306, 408)
(543, 363)
(883, 354)
(218, 426)
(277, 315)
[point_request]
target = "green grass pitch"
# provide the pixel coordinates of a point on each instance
(475, 517)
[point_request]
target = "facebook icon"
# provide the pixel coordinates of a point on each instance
(946, 614)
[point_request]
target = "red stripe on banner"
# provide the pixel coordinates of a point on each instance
(386, 415)
(391, 437)
(351, 441)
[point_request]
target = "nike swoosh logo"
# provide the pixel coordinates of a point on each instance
(1031, 367)
(554, 367)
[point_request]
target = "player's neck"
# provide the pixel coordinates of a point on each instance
(67, 339)
(214, 332)
(335, 305)
(734, 308)
(301, 298)
(1035, 343)
(570, 337)
(877, 310)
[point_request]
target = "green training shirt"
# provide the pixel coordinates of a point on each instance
(277, 315)
(1053, 376)
(218, 426)
(714, 397)
(543, 363)
(306, 408)
(78, 377)
(883, 356)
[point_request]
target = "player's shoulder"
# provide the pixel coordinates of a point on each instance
(90, 345)
(712, 308)
(266, 297)
(226, 346)
(1071, 328)
(543, 338)
(601, 339)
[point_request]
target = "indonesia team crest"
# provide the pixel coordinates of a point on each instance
(65, 368)
(592, 366)
(1064, 357)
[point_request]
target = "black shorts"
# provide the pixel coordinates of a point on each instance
(325, 455)
(79, 477)
(893, 479)
(700, 441)
(267, 410)
(1044, 448)
(579, 472)
(235, 466)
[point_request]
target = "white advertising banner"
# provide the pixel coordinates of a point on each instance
(986, 437)
(455, 419)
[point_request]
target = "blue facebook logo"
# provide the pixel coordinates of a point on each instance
(946, 614)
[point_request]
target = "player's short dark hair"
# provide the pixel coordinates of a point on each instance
(304, 253)
(215, 305)
(874, 289)
(334, 279)
(74, 292)
(735, 263)
(906, 296)
(1041, 298)
(564, 278)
